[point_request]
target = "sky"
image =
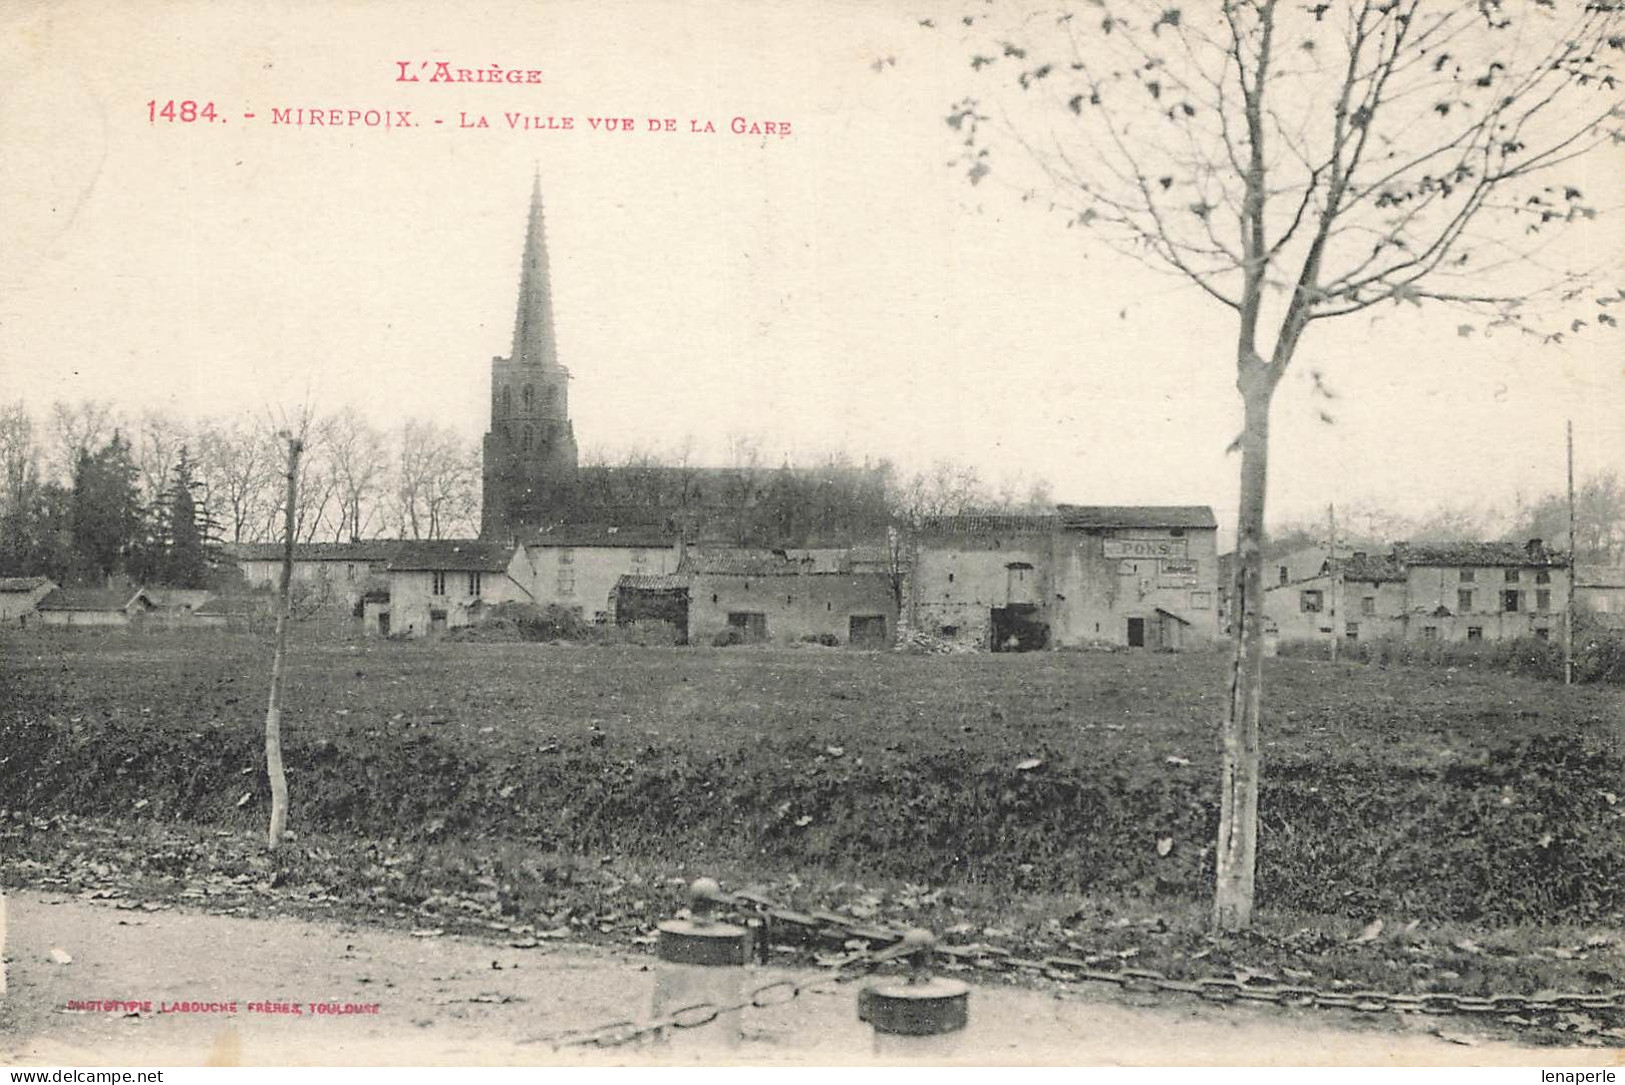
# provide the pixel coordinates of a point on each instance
(838, 288)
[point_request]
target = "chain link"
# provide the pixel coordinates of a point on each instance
(1258, 988)
(843, 969)
(871, 946)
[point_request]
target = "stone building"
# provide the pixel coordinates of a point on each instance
(1136, 576)
(328, 576)
(19, 595)
(1363, 600)
(446, 584)
(1483, 590)
(578, 566)
(1467, 591)
(762, 597)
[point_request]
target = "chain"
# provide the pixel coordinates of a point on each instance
(845, 969)
(772, 921)
(822, 926)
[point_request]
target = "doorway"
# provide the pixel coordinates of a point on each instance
(1136, 632)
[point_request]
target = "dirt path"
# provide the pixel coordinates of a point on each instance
(452, 1000)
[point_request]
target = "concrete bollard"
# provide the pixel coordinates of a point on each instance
(922, 1016)
(701, 961)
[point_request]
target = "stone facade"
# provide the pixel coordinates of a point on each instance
(1447, 592)
(1118, 575)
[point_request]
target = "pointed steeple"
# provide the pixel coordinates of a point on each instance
(533, 342)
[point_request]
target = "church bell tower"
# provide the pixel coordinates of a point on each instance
(530, 449)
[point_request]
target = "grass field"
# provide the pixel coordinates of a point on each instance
(1045, 804)
(1449, 796)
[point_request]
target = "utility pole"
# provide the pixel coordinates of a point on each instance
(1335, 569)
(1568, 608)
(273, 710)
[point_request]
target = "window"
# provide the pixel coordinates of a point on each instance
(1309, 601)
(640, 557)
(1512, 576)
(567, 581)
(474, 585)
(1543, 577)
(1468, 575)
(1284, 574)
(1475, 632)
(1352, 631)
(437, 583)
(1509, 601)
(1368, 605)
(527, 439)
(1543, 599)
(950, 578)
(567, 555)
(528, 398)
(1464, 600)
(953, 631)
(507, 400)
(349, 571)
(1543, 633)
(1430, 632)
(1201, 600)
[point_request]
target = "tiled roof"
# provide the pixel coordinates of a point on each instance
(1477, 553)
(372, 550)
(609, 535)
(1096, 516)
(1372, 570)
(982, 523)
(89, 599)
(653, 582)
(21, 583)
(451, 555)
(739, 562)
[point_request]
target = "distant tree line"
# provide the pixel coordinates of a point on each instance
(1599, 523)
(88, 493)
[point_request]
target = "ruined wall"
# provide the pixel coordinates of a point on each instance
(959, 578)
(795, 606)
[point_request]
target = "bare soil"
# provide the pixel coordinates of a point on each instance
(459, 1000)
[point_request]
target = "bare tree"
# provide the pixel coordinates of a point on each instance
(357, 462)
(78, 427)
(1300, 162)
(436, 483)
(238, 466)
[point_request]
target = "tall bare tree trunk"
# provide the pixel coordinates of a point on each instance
(273, 711)
(1238, 803)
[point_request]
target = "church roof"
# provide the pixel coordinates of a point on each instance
(533, 339)
(635, 536)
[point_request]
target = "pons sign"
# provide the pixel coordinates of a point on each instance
(1144, 548)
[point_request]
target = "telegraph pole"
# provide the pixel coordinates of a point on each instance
(1336, 572)
(1568, 609)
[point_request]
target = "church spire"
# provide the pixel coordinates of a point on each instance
(533, 342)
